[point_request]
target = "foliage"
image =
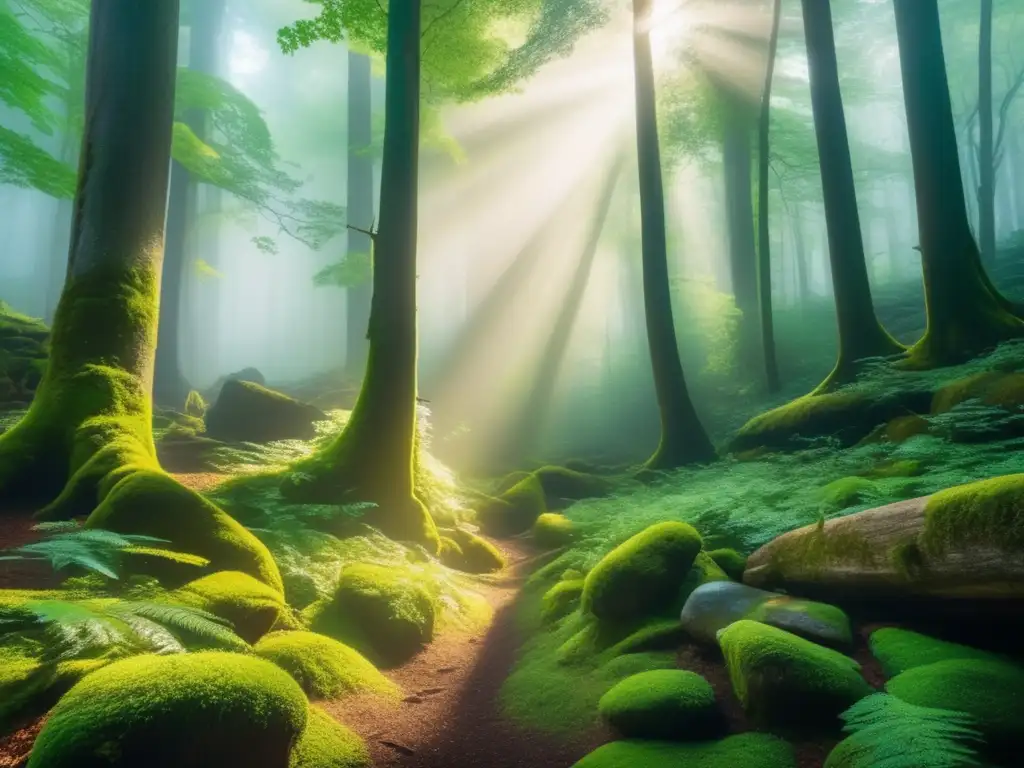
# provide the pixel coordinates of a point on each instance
(886, 732)
(352, 270)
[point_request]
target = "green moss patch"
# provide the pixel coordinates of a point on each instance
(188, 710)
(730, 561)
(990, 692)
(847, 492)
(561, 485)
(515, 510)
(703, 571)
(471, 553)
(745, 750)
(662, 704)
(251, 606)
(553, 531)
(643, 574)
(784, 680)
(325, 668)
(248, 412)
(326, 743)
(995, 388)
(562, 599)
(987, 513)
(382, 612)
(898, 650)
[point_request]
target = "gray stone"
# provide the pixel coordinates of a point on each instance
(714, 606)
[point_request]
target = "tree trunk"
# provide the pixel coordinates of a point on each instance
(986, 159)
(1015, 158)
(738, 126)
(803, 267)
(764, 259)
(170, 387)
(360, 207)
(860, 334)
(965, 312)
(373, 459)
(683, 439)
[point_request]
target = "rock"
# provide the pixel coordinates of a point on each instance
(251, 606)
(561, 600)
(744, 750)
(515, 510)
(730, 561)
(785, 681)
(671, 704)
(964, 542)
(193, 710)
(325, 668)
(714, 606)
(246, 374)
(643, 574)
(553, 531)
(472, 553)
(990, 692)
(562, 485)
(248, 412)
(24, 351)
(326, 743)
(898, 650)
(703, 571)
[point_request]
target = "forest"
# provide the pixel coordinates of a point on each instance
(511, 383)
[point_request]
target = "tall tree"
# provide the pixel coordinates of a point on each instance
(764, 259)
(986, 166)
(683, 439)
(965, 313)
(860, 334)
(360, 207)
(372, 459)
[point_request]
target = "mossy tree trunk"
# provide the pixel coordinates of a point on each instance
(764, 258)
(860, 334)
(986, 160)
(965, 313)
(360, 207)
(683, 439)
(170, 386)
(372, 460)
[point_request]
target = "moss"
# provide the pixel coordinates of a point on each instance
(184, 710)
(247, 412)
(744, 750)
(704, 571)
(902, 428)
(643, 574)
(382, 612)
(898, 650)
(325, 668)
(561, 484)
(152, 503)
(730, 561)
(195, 405)
(300, 589)
(661, 704)
(846, 492)
(475, 554)
(656, 635)
(515, 510)
(784, 680)
(807, 553)
(987, 691)
(251, 606)
(325, 743)
(828, 624)
(988, 513)
(553, 531)
(1002, 390)
(561, 599)
(30, 686)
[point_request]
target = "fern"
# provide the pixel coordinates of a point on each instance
(94, 549)
(886, 732)
(76, 629)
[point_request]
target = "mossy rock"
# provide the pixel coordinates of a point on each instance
(30, 686)
(990, 692)
(250, 413)
(641, 576)
(202, 710)
(989, 513)
(515, 510)
(703, 571)
(182, 450)
(24, 350)
(896, 468)
(670, 704)
(251, 606)
(325, 668)
(847, 417)
(744, 750)
(846, 492)
(902, 428)
(562, 485)
(553, 531)
(784, 680)
(898, 650)
(994, 388)
(730, 561)
(326, 743)
(561, 600)
(300, 589)
(384, 613)
(152, 503)
(471, 553)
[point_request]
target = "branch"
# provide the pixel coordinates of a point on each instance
(368, 232)
(440, 16)
(1004, 107)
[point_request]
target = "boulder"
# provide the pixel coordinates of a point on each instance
(963, 542)
(714, 606)
(744, 750)
(326, 743)
(898, 650)
(24, 350)
(250, 413)
(672, 704)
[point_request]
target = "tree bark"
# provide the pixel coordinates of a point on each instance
(803, 266)
(860, 334)
(360, 207)
(373, 458)
(986, 159)
(764, 259)
(965, 313)
(170, 387)
(683, 439)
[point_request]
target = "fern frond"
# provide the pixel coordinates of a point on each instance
(193, 621)
(166, 554)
